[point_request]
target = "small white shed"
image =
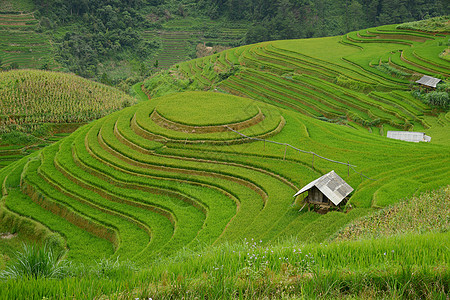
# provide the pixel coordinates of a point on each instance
(428, 81)
(408, 136)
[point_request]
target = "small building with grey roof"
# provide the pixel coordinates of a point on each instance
(327, 191)
(409, 136)
(428, 81)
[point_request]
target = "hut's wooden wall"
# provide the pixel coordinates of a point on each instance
(315, 196)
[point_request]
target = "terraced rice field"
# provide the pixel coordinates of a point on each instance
(20, 44)
(169, 173)
(179, 38)
(346, 79)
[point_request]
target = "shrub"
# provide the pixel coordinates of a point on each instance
(438, 99)
(36, 262)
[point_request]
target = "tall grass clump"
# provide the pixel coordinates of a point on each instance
(36, 262)
(386, 68)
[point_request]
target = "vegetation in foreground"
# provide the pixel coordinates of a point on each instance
(401, 265)
(429, 212)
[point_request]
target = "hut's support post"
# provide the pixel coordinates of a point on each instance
(309, 207)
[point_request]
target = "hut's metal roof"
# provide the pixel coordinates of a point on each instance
(331, 185)
(428, 81)
(408, 136)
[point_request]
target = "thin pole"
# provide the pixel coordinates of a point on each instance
(313, 161)
(348, 168)
(285, 148)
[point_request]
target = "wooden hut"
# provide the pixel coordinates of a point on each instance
(428, 81)
(326, 192)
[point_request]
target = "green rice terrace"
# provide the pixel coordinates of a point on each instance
(362, 79)
(190, 194)
(170, 173)
(20, 44)
(179, 38)
(39, 107)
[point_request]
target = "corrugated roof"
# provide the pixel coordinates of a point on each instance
(408, 136)
(428, 81)
(331, 185)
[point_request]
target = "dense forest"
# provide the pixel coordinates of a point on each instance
(287, 19)
(88, 33)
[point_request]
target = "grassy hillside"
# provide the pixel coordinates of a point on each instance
(365, 81)
(38, 107)
(168, 174)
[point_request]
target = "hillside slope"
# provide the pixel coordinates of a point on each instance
(363, 79)
(35, 105)
(167, 174)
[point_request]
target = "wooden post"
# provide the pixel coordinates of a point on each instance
(348, 168)
(285, 148)
(313, 161)
(264, 145)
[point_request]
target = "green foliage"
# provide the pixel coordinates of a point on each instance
(15, 137)
(438, 99)
(36, 262)
(436, 24)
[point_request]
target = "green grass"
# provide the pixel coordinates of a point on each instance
(381, 268)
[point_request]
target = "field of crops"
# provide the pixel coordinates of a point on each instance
(40, 107)
(363, 82)
(171, 174)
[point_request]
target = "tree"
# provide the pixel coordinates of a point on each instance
(355, 16)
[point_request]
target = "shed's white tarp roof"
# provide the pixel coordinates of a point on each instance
(428, 81)
(331, 185)
(408, 136)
